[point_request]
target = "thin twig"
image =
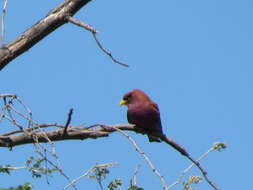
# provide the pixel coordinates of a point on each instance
(204, 173)
(59, 169)
(36, 144)
(78, 178)
(146, 158)
(28, 110)
(94, 33)
(107, 52)
(40, 149)
(86, 174)
(29, 119)
(33, 128)
(11, 117)
(189, 167)
(187, 155)
(82, 24)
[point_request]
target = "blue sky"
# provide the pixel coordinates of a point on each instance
(193, 58)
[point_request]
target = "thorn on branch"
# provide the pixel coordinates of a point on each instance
(94, 33)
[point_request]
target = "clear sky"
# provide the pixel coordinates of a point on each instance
(193, 58)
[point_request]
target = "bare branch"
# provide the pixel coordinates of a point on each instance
(78, 178)
(73, 133)
(94, 33)
(107, 52)
(82, 24)
(40, 126)
(54, 19)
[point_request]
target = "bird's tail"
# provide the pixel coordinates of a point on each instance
(174, 145)
(153, 138)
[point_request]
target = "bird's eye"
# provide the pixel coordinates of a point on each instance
(128, 97)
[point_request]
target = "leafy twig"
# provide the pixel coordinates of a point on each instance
(106, 165)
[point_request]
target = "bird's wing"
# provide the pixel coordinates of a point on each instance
(154, 106)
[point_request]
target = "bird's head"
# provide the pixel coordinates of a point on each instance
(133, 97)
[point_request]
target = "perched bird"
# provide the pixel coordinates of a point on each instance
(143, 113)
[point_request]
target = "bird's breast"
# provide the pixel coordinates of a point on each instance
(143, 115)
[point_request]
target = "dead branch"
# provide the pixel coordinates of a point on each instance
(54, 19)
(73, 133)
(94, 34)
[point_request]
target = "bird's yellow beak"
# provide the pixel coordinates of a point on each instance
(122, 102)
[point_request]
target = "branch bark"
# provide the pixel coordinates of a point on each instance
(54, 19)
(73, 133)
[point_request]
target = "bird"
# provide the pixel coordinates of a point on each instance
(143, 113)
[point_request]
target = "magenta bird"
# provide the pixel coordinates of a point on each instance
(144, 114)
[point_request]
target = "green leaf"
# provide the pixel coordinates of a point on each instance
(5, 169)
(26, 186)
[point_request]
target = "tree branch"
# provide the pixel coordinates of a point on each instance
(78, 133)
(73, 133)
(94, 34)
(54, 19)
